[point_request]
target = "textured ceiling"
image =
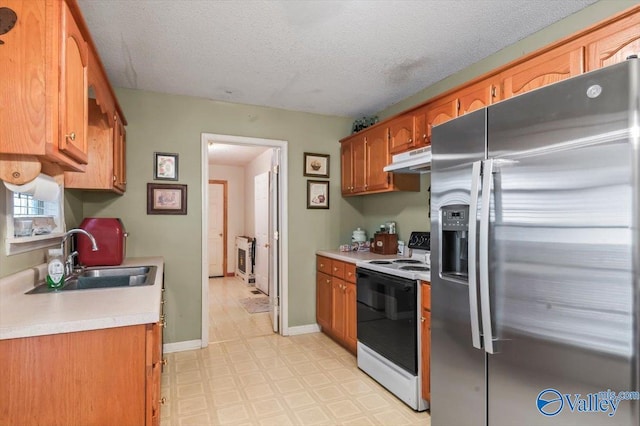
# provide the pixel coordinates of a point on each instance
(346, 58)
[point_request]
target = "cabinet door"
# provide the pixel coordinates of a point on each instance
(614, 43)
(359, 164)
(351, 334)
(420, 136)
(346, 167)
(401, 133)
(74, 90)
(119, 155)
(154, 368)
(550, 67)
(323, 301)
(478, 96)
(440, 112)
(377, 158)
(426, 355)
(338, 319)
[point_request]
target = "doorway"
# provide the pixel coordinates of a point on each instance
(276, 240)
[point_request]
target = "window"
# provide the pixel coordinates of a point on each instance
(32, 224)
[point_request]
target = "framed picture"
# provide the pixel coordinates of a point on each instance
(317, 194)
(166, 198)
(165, 166)
(316, 165)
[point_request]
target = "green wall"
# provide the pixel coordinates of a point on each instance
(167, 123)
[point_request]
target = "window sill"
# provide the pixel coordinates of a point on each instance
(17, 245)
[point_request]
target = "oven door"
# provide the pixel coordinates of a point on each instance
(387, 315)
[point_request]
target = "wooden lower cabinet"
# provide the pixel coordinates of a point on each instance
(336, 301)
(426, 340)
(98, 377)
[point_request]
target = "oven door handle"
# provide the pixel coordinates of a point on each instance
(473, 282)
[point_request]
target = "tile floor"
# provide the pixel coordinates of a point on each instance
(250, 376)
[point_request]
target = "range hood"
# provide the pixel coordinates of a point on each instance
(415, 161)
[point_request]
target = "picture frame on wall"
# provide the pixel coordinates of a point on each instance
(317, 194)
(165, 166)
(316, 165)
(166, 198)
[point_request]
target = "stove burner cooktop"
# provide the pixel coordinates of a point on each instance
(380, 262)
(407, 261)
(415, 268)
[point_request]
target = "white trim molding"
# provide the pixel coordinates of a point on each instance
(304, 329)
(187, 345)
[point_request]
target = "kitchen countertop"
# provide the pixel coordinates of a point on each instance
(27, 315)
(354, 256)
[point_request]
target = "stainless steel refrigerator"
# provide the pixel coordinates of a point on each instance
(535, 260)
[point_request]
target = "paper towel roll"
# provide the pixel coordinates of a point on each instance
(43, 188)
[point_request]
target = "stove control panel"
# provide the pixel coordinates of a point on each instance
(420, 241)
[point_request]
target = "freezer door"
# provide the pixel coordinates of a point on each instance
(457, 368)
(561, 253)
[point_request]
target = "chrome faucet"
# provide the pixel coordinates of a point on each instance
(68, 265)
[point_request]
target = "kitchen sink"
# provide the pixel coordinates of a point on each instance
(103, 277)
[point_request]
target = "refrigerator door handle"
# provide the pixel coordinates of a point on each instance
(473, 284)
(485, 301)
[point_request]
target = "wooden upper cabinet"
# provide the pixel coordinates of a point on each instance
(359, 164)
(550, 67)
(440, 112)
(401, 134)
(377, 154)
(613, 43)
(346, 167)
(420, 127)
(74, 87)
(478, 95)
(106, 137)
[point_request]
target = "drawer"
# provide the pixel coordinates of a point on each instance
(337, 269)
(323, 264)
(350, 272)
(426, 296)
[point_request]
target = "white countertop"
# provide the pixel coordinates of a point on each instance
(354, 256)
(26, 315)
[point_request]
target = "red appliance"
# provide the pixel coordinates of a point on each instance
(110, 236)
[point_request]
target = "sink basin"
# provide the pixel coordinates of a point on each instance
(103, 277)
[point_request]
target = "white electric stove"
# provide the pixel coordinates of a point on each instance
(414, 267)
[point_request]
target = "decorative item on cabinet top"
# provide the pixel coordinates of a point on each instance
(363, 123)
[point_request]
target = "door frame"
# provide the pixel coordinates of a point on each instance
(224, 222)
(283, 237)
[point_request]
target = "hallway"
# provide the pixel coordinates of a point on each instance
(250, 376)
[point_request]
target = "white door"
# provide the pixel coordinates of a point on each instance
(274, 234)
(215, 232)
(261, 197)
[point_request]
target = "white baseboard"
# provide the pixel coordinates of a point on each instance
(303, 329)
(187, 345)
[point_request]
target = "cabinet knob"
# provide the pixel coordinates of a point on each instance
(328, 281)
(71, 136)
(163, 400)
(114, 178)
(322, 265)
(335, 268)
(424, 136)
(410, 140)
(164, 362)
(422, 319)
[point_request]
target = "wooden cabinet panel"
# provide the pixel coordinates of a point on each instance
(74, 87)
(324, 299)
(420, 136)
(426, 339)
(351, 305)
(336, 302)
(337, 268)
(401, 134)
(75, 378)
(120, 156)
(338, 317)
(346, 167)
(323, 264)
(440, 112)
(550, 67)
(478, 96)
(378, 157)
(614, 43)
(350, 272)
(359, 165)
